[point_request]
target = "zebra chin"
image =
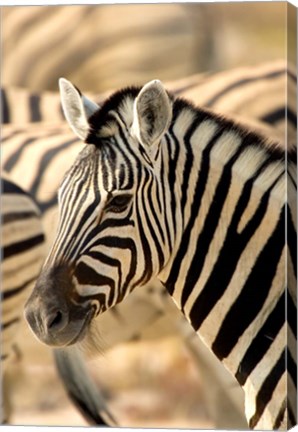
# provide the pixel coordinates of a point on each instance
(52, 314)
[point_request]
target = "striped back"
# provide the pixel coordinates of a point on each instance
(266, 92)
(252, 94)
(22, 256)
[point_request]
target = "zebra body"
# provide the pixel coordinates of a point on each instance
(22, 256)
(169, 191)
(255, 94)
(248, 93)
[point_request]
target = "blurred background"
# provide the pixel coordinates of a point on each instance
(153, 383)
(107, 46)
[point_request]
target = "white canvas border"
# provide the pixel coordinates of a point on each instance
(95, 2)
(10, 3)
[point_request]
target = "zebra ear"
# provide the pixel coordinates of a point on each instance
(76, 107)
(152, 113)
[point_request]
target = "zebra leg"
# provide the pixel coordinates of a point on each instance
(80, 388)
(6, 407)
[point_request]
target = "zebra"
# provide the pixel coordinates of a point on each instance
(58, 148)
(165, 190)
(22, 254)
(56, 151)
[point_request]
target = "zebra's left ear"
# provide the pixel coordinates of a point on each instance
(77, 108)
(152, 113)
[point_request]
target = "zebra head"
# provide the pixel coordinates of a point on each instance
(111, 235)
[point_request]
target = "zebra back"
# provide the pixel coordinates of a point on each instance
(22, 254)
(43, 43)
(266, 92)
(253, 95)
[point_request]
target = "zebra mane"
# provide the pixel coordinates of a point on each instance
(123, 99)
(112, 103)
(274, 148)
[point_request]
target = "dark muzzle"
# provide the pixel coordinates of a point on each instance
(53, 311)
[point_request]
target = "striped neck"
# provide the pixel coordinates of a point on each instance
(226, 270)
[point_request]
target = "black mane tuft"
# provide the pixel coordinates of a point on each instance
(110, 104)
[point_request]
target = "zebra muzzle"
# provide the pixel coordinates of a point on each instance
(52, 315)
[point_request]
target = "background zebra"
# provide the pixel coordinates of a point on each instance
(256, 94)
(22, 254)
(90, 44)
(162, 242)
(250, 93)
(59, 146)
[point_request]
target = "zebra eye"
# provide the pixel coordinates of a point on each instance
(119, 203)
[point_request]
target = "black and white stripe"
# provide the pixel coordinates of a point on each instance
(22, 254)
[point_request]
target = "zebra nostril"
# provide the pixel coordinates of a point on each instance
(56, 320)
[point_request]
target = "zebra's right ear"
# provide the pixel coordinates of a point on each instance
(77, 108)
(152, 113)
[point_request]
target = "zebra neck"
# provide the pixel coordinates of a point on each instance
(216, 175)
(225, 273)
